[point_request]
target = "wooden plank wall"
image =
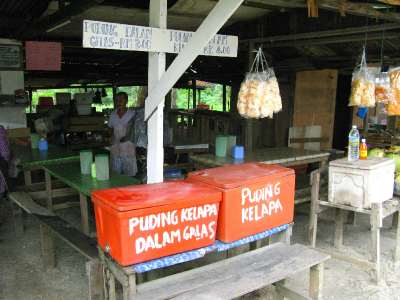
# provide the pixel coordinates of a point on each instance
(280, 123)
(315, 98)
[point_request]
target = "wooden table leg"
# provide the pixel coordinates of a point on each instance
(395, 220)
(18, 219)
(395, 225)
(47, 247)
(316, 279)
(351, 217)
(84, 213)
(49, 193)
(27, 177)
(339, 228)
(109, 285)
(259, 243)
(284, 235)
(94, 271)
(376, 224)
(231, 252)
(322, 163)
(312, 230)
(285, 283)
(130, 290)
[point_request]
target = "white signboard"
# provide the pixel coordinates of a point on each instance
(116, 36)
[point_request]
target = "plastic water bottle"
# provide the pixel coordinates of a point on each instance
(354, 144)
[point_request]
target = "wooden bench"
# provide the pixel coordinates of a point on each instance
(378, 212)
(50, 223)
(242, 273)
(228, 278)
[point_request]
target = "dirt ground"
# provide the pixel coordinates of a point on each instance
(22, 274)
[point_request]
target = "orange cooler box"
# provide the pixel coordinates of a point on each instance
(255, 197)
(144, 222)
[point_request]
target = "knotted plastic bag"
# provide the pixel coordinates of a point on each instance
(362, 85)
(259, 95)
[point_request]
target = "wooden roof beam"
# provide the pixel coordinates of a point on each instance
(59, 17)
(322, 34)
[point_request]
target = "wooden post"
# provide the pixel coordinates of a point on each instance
(224, 97)
(188, 99)
(155, 153)
(30, 98)
(194, 85)
(210, 26)
(249, 122)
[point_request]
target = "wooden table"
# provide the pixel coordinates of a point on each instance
(377, 212)
(35, 159)
(71, 175)
(281, 156)
(185, 146)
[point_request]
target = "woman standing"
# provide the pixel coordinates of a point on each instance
(123, 155)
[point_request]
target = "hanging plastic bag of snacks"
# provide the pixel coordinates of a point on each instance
(393, 107)
(362, 85)
(259, 95)
(382, 88)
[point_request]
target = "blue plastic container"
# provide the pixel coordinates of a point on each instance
(43, 145)
(238, 152)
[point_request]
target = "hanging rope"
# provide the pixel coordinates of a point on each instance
(366, 29)
(383, 38)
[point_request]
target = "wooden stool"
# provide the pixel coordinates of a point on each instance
(378, 212)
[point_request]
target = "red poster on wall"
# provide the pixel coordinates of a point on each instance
(43, 56)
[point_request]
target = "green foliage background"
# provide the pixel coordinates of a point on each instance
(211, 95)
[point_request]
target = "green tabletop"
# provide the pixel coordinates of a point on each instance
(70, 173)
(34, 157)
(271, 156)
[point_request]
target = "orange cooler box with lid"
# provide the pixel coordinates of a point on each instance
(144, 222)
(255, 197)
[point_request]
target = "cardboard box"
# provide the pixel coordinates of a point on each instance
(18, 133)
(255, 197)
(362, 182)
(145, 222)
